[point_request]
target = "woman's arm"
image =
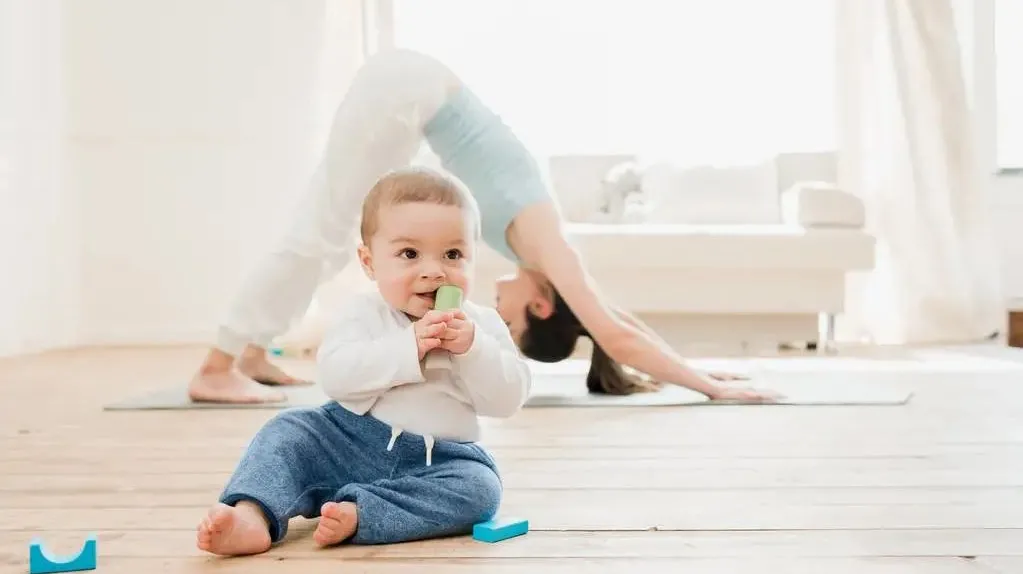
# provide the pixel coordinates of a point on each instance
(538, 238)
(635, 322)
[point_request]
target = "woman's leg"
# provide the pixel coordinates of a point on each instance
(377, 128)
(459, 489)
(294, 464)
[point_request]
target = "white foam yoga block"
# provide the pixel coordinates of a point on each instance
(817, 204)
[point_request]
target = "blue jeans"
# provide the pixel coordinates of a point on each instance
(305, 457)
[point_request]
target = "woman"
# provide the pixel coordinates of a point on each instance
(397, 100)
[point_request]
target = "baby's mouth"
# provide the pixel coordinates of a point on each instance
(428, 296)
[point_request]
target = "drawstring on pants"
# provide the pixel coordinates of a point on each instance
(395, 431)
(427, 440)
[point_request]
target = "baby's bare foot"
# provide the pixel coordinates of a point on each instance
(233, 530)
(338, 521)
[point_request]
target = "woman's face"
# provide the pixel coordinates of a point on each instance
(518, 292)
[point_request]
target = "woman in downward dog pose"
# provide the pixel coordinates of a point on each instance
(397, 100)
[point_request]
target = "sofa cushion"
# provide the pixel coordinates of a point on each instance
(813, 204)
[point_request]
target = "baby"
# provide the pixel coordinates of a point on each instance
(393, 457)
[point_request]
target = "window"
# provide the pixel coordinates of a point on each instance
(1008, 83)
(723, 82)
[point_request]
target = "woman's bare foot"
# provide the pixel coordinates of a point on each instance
(231, 387)
(254, 364)
(219, 382)
(338, 521)
(234, 530)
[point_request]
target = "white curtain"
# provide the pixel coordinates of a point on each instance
(906, 147)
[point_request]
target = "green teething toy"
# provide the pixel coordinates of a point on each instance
(448, 297)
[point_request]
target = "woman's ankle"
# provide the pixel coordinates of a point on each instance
(216, 361)
(253, 353)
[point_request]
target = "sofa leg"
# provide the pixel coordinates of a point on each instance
(825, 333)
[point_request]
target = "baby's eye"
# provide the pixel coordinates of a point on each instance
(409, 253)
(453, 254)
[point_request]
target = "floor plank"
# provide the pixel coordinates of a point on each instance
(268, 565)
(541, 544)
(581, 477)
(625, 514)
(682, 499)
(1001, 564)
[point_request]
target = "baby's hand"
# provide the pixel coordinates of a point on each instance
(459, 335)
(429, 331)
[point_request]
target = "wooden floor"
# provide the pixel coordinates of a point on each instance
(935, 486)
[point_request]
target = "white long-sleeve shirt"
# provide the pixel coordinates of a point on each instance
(369, 363)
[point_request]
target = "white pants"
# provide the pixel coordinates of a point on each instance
(378, 127)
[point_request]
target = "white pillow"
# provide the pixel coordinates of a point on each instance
(820, 204)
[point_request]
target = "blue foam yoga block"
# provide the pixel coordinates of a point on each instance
(40, 561)
(500, 529)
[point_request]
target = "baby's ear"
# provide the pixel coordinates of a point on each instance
(366, 260)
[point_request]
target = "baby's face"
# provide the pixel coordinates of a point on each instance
(417, 248)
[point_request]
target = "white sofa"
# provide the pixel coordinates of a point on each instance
(751, 285)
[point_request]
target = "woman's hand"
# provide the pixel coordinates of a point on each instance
(723, 376)
(740, 395)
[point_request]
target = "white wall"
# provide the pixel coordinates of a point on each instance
(977, 19)
(40, 259)
(192, 127)
(153, 149)
(1007, 200)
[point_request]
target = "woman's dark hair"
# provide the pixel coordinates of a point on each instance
(553, 339)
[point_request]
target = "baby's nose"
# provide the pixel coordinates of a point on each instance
(432, 270)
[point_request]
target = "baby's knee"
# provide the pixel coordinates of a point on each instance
(289, 426)
(289, 418)
(483, 494)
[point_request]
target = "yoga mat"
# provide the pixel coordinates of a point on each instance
(563, 385)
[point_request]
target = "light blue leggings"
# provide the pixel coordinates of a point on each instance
(305, 457)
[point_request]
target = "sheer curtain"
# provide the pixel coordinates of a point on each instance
(907, 148)
(721, 82)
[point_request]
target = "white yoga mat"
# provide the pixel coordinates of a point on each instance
(564, 385)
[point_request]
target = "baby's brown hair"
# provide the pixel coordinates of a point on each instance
(416, 185)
